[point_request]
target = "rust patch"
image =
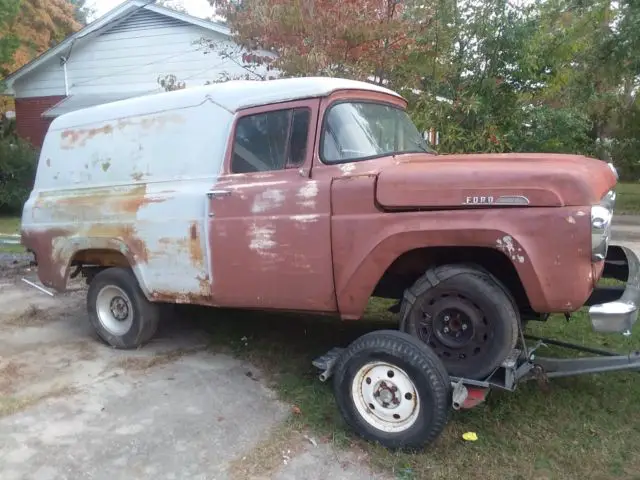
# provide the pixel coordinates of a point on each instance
(195, 249)
(166, 244)
(49, 265)
(137, 176)
(127, 201)
(149, 122)
(132, 203)
(188, 298)
(106, 165)
(128, 235)
(205, 285)
(78, 138)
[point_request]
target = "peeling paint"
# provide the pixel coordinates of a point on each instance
(308, 194)
(346, 168)
(305, 218)
(267, 200)
(262, 238)
(507, 246)
(106, 165)
(570, 219)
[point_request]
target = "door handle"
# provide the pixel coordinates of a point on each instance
(218, 193)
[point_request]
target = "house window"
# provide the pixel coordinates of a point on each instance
(270, 141)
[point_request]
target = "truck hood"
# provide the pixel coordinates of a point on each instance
(539, 180)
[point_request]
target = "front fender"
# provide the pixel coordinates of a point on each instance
(549, 249)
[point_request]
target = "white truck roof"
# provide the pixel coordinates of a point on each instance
(233, 95)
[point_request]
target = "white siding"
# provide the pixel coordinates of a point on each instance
(46, 81)
(130, 56)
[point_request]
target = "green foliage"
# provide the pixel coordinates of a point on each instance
(18, 162)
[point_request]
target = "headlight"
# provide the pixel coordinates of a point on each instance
(601, 216)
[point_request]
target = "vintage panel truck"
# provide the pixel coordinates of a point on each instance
(312, 195)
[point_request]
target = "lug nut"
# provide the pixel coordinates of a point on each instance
(464, 326)
(446, 329)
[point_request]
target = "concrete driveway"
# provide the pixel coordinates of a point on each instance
(73, 408)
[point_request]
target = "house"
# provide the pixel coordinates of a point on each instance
(121, 55)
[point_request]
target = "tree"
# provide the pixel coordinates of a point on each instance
(9, 42)
(39, 25)
(354, 38)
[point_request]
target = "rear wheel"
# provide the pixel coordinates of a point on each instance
(118, 310)
(465, 316)
(392, 389)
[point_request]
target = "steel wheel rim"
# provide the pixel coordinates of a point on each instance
(430, 324)
(114, 310)
(375, 399)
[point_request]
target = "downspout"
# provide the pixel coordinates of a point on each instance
(63, 60)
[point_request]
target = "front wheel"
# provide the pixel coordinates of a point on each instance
(465, 316)
(118, 310)
(392, 389)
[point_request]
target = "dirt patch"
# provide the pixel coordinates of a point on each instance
(10, 373)
(10, 405)
(33, 316)
(270, 455)
(142, 363)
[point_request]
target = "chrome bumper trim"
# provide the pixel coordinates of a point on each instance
(619, 316)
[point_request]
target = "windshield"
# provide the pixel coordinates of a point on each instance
(362, 130)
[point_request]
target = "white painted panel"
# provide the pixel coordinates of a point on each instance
(141, 177)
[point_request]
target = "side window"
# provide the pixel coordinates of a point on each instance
(299, 136)
(260, 142)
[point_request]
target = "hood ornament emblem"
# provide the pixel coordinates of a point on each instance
(491, 200)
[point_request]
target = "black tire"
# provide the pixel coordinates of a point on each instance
(425, 372)
(485, 320)
(141, 322)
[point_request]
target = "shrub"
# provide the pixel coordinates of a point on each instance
(18, 161)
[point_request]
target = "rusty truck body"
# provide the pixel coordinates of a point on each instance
(312, 195)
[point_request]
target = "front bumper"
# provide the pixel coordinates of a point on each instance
(620, 312)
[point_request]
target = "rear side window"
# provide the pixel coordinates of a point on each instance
(271, 141)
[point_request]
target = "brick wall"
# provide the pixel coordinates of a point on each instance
(29, 122)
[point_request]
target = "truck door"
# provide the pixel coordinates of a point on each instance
(269, 222)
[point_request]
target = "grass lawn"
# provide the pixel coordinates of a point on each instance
(584, 427)
(9, 226)
(628, 198)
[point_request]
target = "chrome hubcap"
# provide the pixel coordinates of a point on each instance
(114, 310)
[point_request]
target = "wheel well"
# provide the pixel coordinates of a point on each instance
(409, 266)
(91, 261)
